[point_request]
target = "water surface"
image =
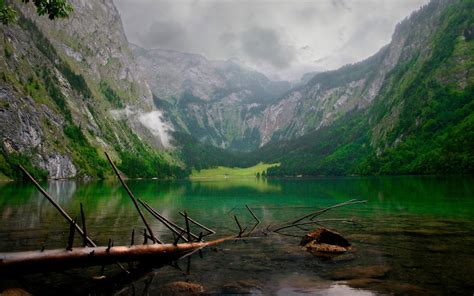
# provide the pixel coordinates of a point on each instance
(414, 236)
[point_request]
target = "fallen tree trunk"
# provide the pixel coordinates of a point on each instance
(31, 261)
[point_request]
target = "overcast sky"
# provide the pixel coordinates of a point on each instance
(281, 38)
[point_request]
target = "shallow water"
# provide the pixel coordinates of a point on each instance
(414, 235)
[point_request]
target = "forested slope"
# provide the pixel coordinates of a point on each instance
(422, 120)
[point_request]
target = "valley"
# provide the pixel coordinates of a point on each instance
(408, 109)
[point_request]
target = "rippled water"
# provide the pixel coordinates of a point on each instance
(414, 236)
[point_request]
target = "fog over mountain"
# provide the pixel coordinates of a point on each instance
(283, 39)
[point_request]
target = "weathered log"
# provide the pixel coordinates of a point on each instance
(31, 261)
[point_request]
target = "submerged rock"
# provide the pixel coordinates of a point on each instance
(325, 243)
(182, 288)
(316, 247)
(325, 236)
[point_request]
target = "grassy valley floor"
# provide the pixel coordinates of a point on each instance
(227, 172)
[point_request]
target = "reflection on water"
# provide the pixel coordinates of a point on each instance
(251, 184)
(415, 234)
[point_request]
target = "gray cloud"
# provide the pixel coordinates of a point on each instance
(341, 4)
(265, 45)
(279, 37)
(164, 34)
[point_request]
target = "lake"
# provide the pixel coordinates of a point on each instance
(413, 236)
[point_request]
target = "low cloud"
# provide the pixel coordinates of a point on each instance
(275, 36)
(263, 45)
(164, 34)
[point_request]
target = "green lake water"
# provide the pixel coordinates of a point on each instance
(414, 236)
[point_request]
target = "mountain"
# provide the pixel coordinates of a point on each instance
(71, 89)
(406, 110)
(214, 101)
(230, 106)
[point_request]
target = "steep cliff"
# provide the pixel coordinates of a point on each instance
(70, 89)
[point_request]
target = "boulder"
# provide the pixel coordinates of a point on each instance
(325, 236)
(325, 243)
(182, 288)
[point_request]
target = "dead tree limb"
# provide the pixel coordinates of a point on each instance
(64, 213)
(83, 218)
(158, 217)
(186, 221)
(70, 240)
(319, 212)
(336, 206)
(176, 226)
(253, 215)
(134, 200)
(312, 223)
(240, 226)
(58, 207)
(210, 231)
(166, 221)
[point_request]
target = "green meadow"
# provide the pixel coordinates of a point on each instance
(227, 172)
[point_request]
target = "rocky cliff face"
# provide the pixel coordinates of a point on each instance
(212, 100)
(93, 42)
(71, 89)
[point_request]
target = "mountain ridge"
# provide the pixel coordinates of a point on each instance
(71, 89)
(408, 109)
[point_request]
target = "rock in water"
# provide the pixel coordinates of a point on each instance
(323, 242)
(182, 288)
(325, 236)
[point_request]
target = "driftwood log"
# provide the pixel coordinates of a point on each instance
(31, 261)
